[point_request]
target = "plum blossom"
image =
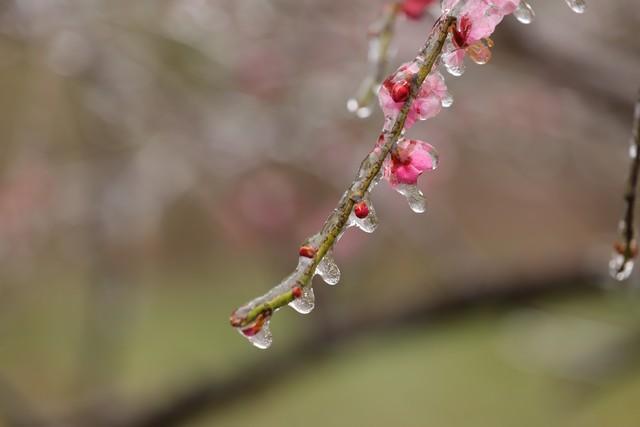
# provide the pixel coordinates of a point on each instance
(415, 9)
(477, 21)
(408, 160)
(396, 88)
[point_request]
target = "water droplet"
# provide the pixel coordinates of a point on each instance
(305, 303)
(633, 151)
(578, 6)
(479, 52)
(362, 111)
(367, 224)
(524, 13)
(447, 100)
(620, 268)
(352, 105)
(258, 333)
(328, 270)
(454, 66)
(414, 196)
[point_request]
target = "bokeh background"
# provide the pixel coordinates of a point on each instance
(161, 161)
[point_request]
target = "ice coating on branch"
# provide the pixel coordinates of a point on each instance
(578, 6)
(257, 332)
(328, 269)
(395, 91)
(524, 13)
(304, 303)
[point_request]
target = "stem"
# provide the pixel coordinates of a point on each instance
(369, 169)
(628, 229)
(383, 31)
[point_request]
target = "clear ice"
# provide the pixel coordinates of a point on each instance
(328, 270)
(578, 6)
(367, 224)
(414, 196)
(306, 302)
(524, 13)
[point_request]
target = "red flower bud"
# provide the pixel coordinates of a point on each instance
(361, 209)
(296, 292)
(400, 91)
(307, 251)
(621, 248)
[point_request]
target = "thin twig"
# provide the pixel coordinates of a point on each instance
(628, 248)
(381, 34)
(367, 173)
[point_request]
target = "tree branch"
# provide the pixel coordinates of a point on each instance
(622, 261)
(263, 307)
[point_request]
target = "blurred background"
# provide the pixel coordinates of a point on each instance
(162, 160)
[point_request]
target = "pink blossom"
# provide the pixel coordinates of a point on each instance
(395, 91)
(415, 9)
(408, 160)
(478, 20)
(486, 15)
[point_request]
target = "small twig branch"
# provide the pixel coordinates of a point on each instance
(367, 173)
(381, 36)
(627, 249)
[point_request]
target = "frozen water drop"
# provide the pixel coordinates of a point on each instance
(367, 224)
(352, 105)
(305, 303)
(578, 6)
(633, 151)
(620, 268)
(328, 270)
(414, 196)
(447, 100)
(524, 13)
(454, 67)
(363, 112)
(258, 334)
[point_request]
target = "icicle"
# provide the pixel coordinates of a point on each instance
(619, 268)
(328, 270)
(453, 59)
(362, 111)
(524, 13)
(363, 216)
(414, 196)
(480, 52)
(258, 333)
(447, 100)
(305, 302)
(578, 6)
